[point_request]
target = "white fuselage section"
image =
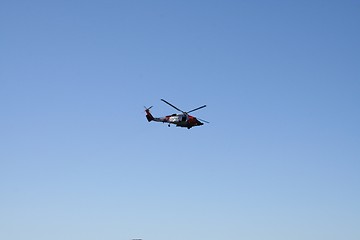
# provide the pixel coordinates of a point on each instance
(177, 118)
(174, 119)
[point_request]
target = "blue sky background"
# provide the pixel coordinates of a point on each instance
(279, 160)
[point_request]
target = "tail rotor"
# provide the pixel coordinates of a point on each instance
(149, 117)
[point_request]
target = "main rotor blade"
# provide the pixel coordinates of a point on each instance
(172, 105)
(202, 120)
(196, 109)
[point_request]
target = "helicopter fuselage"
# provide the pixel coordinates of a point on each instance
(180, 120)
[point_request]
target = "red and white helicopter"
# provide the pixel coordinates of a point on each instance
(180, 120)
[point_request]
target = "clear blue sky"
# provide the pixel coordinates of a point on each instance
(280, 159)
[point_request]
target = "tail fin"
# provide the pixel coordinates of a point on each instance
(149, 117)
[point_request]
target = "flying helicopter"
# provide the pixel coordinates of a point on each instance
(182, 119)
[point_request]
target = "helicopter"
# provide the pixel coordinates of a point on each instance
(180, 120)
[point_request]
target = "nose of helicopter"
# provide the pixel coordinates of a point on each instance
(199, 123)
